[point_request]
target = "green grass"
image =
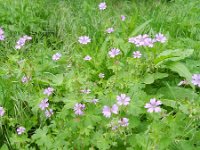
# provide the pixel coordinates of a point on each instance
(55, 26)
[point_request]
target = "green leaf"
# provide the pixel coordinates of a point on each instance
(181, 69)
(140, 28)
(172, 55)
(150, 78)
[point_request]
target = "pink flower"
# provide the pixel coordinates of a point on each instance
(44, 104)
(123, 99)
(48, 91)
(137, 54)
(123, 18)
(123, 122)
(110, 30)
(107, 110)
(153, 106)
(25, 79)
(114, 52)
(48, 113)
(196, 79)
(95, 101)
(102, 6)
(141, 40)
(2, 111)
(56, 56)
(21, 42)
(86, 91)
(20, 130)
(84, 40)
(78, 108)
(2, 37)
(87, 58)
(101, 75)
(160, 38)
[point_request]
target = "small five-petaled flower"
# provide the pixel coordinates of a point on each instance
(122, 99)
(84, 40)
(196, 79)
(78, 108)
(20, 130)
(114, 52)
(153, 106)
(102, 6)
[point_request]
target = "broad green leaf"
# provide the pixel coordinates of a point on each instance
(181, 69)
(172, 55)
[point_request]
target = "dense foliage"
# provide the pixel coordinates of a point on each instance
(91, 75)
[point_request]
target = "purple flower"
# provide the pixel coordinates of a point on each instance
(123, 18)
(2, 37)
(137, 54)
(123, 122)
(196, 79)
(114, 52)
(20, 130)
(153, 106)
(122, 99)
(102, 6)
(95, 101)
(78, 108)
(48, 91)
(48, 113)
(107, 110)
(110, 30)
(86, 91)
(25, 79)
(84, 40)
(141, 40)
(101, 75)
(87, 58)
(56, 56)
(44, 104)
(21, 42)
(160, 38)
(2, 111)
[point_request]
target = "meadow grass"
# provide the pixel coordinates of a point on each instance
(55, 26)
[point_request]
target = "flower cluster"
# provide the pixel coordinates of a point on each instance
(21, 42)
(145, 40)
(122, 99)
(44, 104)
(2, 37)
